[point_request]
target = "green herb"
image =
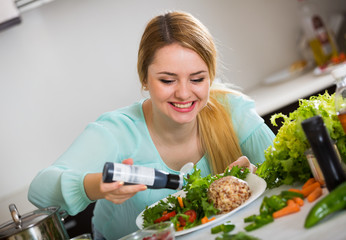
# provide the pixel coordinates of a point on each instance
(237, 171)
(285, 161)
(155, 212)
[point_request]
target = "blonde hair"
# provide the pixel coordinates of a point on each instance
(217, 135)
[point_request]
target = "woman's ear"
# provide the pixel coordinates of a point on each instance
(145, 86)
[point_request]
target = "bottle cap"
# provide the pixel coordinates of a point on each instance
(313, 124)
(339, 72)
(175, 181)
(108, 170)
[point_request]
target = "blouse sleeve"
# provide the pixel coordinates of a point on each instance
(255, 145)
(253, 134)
(62, 183)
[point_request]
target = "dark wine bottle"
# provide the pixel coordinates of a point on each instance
(324, 151)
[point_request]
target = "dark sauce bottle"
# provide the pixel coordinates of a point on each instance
(131, 174)
(323, 149)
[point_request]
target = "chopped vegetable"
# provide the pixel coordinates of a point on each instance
(259, 221)
(165, 217)
(180, 200)
(191, 217)
(271, 205)
(291, 207)
(316, 193)
(309, 182)
(285, 161)
(204, 220)
(290, 195)
(331, 203)
(194, 206)
(295, 190)
(298, 201)
(237, 236)
(225, 227)
(309, 189)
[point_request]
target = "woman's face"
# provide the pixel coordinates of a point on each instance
(178, 83)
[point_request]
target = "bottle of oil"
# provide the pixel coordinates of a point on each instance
(321, 41)
(340, 94)
(324, 151)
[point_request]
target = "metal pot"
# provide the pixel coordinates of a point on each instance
(40, 224)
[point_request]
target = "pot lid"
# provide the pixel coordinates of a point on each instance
(24, 222)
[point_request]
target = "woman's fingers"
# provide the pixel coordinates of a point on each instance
(107, 187)
(128, 161)
(118, 193)
(243, 161)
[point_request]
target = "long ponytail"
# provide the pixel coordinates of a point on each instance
(217, 134)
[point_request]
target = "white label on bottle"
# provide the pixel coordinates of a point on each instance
(134, 174)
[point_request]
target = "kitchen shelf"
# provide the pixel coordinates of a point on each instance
(270, 98)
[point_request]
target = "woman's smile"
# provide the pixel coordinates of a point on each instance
(183, 107)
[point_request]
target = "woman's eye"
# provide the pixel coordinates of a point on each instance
(197, 80)
(166, 81)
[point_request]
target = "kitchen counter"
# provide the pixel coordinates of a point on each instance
(270, 98)
(287, 227)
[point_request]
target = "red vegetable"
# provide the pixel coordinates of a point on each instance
(165, 217)
(192, 217)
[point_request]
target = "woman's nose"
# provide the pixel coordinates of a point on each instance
(183, 91)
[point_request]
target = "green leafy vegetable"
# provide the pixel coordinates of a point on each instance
(196, 199)
(285, 161)
(237, 171)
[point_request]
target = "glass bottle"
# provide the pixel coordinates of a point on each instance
(340, 94)
(324, 151)
(317, 34)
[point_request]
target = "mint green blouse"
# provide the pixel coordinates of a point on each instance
(123, 134)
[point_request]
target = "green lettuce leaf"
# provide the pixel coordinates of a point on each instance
(285, 161)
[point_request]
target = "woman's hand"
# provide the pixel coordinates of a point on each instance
(243, 161)
(115, 192)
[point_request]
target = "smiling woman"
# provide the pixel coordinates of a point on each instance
(184, 120)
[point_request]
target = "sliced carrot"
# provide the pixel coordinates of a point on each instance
(181, 203)
(211, 219)
(298, 201)
(309, 182)
(316, 193)
(295, 190)
(204, 220)
(306, 191)
(180, 229)
(290, 202)
(286, 210)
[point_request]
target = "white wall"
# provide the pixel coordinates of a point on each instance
(71, 60)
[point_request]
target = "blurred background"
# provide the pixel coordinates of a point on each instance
(65, 62)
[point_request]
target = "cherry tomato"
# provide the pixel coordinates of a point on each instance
(192, 217)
